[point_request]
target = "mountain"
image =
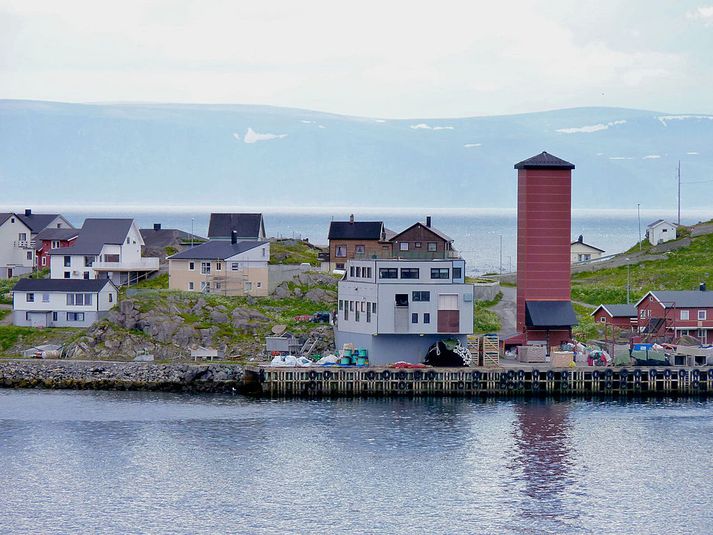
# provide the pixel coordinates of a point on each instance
(265, 156)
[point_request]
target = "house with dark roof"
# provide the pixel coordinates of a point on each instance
(105, 248)
(357, 240)
(660, 231)
(621, 316)
(53, 238)
(228, 226)
(62, 302)
(18, 232)
(232, 268)
(582, 252)
(422, 242)
(667, 315)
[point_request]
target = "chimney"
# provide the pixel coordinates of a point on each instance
(157, 226)
(234, 237)
(581, 239)
(702, 286)
(351, 218)
(428, 221)
(28, 212)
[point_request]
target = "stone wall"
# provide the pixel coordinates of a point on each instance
(485, 291)
(97, 375)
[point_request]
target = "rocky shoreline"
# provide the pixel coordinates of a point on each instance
(100, 375)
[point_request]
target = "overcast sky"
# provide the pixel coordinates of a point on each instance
(381, 58)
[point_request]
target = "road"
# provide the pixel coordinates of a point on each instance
(506, 310)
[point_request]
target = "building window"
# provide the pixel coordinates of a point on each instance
(218, 285)
(373, 308)
(67, 274)
(259, 284)
(30, 298)
(351, 271)
(368, 312)
(67, 261)
(457, 273)
(358, 272)
(351, 306)
(341, 251)
(44, 260)
(409, 273)
(401, 300)
(128, 240)
(356, 315)
(701, 314)
(191, 286)
(205, 286)
(403, 246)
(603, 319)
(432, 247)
(248, 286)
(388, 273)
(684, 314)
(54, 316)
(417, 245)
(368, 273)
(88, 261)
(414, 317)
(55, 244)
(86, 275)
(426, 317)
(264, 251)
(218, 266)
(111, 297)
(346, 313)
(22, 236)
(341, 305)
(205, 268)
(29, 255)
(440, 273)
(360, 250)
(421, 296)
(45, 298)
(191, 266)
(235, 266)
(75, 316)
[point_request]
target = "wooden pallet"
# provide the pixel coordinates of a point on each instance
(491, 351)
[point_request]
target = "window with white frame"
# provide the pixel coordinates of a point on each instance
(205, 286)
(218, 266)
(340, 251)
(701, 315)
(30, 297)
(191, 286)
(79, 299)
(235, 266)
(44, 260)
(55, 244)
(45, 298)
(403, 246)
(205, 268)
(191, 266)
(432, 247)
(22, 236)
(360, 249)
(684, 315)
(29, 255)
(75, 316)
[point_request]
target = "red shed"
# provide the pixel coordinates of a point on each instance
(544, 221)
(622, 316)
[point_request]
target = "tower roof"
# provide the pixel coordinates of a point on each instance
(544, 160)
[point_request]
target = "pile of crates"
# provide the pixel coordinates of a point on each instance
(490, 350)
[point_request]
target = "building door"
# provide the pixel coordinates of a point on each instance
(38, 319)
(448, 313)
(9, 273)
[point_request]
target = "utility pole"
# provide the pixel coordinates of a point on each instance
(191, 232)
(628, 282)
(501, 254)
(638, 214)
(679, 192)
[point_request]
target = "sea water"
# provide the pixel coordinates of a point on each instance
(123, 462)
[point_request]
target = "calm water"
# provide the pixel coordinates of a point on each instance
(115, 462)
(477, 233)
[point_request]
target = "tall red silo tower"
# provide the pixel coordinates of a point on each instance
(544, 221)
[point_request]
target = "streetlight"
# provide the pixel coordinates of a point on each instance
(628, 281)
(191, 232)
(501, 254)
(638, 214)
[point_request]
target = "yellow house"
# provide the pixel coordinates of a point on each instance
(222, 267)
(581, 252)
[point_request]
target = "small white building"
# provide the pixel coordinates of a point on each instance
(105, 248)
(61, 302)
(397, 309)
(660, 231)
(582, 252)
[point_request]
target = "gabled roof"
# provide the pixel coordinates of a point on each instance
(165, 237)
(246, 225)
(60, 285)
(544, 160)
(659, 222)
(356, 230)
(95, 233)
(618, 311)
(549, 314)
(4, 217)
(216, 250)
(434, 230)
(37, 222)
(57, 234)
(587, 245)
(681, 299)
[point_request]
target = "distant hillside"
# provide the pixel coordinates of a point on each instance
(252, 155)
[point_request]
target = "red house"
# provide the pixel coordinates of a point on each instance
(544, 223)
(621, 316)
(52, 238)
(666, 315)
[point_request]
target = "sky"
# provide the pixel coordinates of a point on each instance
(392, 59)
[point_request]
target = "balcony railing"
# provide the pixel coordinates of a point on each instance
(25, 244)
(143, 264)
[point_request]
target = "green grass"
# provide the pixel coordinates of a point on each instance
(683, 269)
(6, 285)
(29, 336)
(292, 252)
(160, 282)
(587, 328)
(484, 319)
(4, 312)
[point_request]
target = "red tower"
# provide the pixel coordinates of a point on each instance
(544, 221)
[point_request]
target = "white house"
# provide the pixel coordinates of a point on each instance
(660, 231)
(581, 252)
(61, 303)
(105, 248)
(397, 309)
(17, 240)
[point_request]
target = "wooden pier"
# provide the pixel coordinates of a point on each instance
(488, 382)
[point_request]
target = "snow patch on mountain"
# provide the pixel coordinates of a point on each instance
(651, 157)
(664, 119)
(590, 128)
(253, 137)
(424, 126)
(472, 145)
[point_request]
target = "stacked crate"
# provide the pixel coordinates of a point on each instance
(490, 344)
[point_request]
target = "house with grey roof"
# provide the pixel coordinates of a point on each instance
(422, 241)
(18, 233)
(357, 240)
(583, 252)
(232, 268)
(240, 226)
(660, 231)
(105, 248)
(62, 302)
(667, 315)
(617, 315)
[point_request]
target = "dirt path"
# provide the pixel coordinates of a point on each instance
(506, 310)
(7, 320)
